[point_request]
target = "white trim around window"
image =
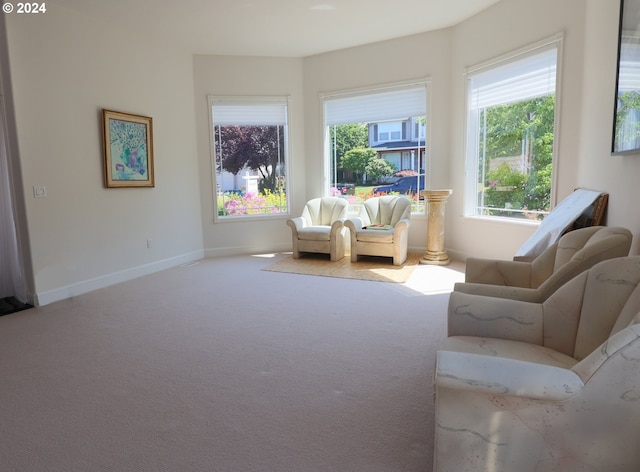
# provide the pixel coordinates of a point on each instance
(233, 190)
(513, 77)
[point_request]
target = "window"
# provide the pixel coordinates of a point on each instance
(510, 135)
(389, 132)
(250, 156)
(372, 135)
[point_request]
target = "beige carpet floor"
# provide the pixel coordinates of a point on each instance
(223, 366)
(380, 269)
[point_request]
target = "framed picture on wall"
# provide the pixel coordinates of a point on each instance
(128, 149)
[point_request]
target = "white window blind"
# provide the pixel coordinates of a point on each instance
(372, 106)
(239, 113)
(515, 81)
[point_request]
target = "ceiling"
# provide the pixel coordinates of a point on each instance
(286, 28)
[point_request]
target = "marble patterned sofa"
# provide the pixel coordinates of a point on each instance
(551, 386)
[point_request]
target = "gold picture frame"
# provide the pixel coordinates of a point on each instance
(128, 150)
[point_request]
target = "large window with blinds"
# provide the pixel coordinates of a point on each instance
(249, 137)
(511, 120)
(373, 138)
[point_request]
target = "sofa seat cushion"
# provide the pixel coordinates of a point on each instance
(376, 236)
(508, 349)
(315, 233)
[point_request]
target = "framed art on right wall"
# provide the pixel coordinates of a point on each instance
(626, 121)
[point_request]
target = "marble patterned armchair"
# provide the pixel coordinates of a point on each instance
(390, 214)
(320, 228)
(535, 281)
(552, 386)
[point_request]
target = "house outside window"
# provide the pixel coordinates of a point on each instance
(387, 126)
(511, 124)
(389, 132)
(250, 154)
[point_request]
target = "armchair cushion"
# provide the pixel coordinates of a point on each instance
(315, 233)
(376, 235)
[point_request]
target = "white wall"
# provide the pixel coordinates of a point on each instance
(598, 169)
(248, 76)
(65, 68)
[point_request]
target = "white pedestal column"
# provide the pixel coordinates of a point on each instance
(436, 200)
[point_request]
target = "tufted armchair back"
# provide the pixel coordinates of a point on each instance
(590, 308)
(324, 211)
(385, 210)
(577, 251)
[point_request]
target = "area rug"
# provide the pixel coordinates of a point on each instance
(379, 269)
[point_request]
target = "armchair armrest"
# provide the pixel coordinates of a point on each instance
(296, 223)
(354, 224)
(495, 272)
(476, 315)
(401, 225)
(491, 375)
(532, 295)
(337, 226)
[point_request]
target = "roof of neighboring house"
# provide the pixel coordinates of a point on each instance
(399, 145)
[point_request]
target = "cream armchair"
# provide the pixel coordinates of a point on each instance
(535, 281)
(393, 213)
(551, 386)
(320, 229)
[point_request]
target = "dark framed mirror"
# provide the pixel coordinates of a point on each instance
(626, 120)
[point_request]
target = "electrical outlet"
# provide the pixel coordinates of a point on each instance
(39, 191)
(149, 243)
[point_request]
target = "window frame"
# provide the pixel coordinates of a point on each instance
(284, 100)
(390, 130)
(471, 160)
(324, 97)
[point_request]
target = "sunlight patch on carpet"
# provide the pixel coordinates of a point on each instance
(378, 269)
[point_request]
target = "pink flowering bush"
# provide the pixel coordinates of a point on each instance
(235, 204)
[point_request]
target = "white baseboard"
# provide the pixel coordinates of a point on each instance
(72, 290)
(235, 251)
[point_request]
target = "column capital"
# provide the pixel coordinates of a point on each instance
(441, 194)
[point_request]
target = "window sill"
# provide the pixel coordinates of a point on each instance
(502, 220)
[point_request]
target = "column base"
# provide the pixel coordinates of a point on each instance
(435, 258)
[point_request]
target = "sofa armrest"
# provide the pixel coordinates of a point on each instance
(476, 315)
(500, 376)
(496, 272)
